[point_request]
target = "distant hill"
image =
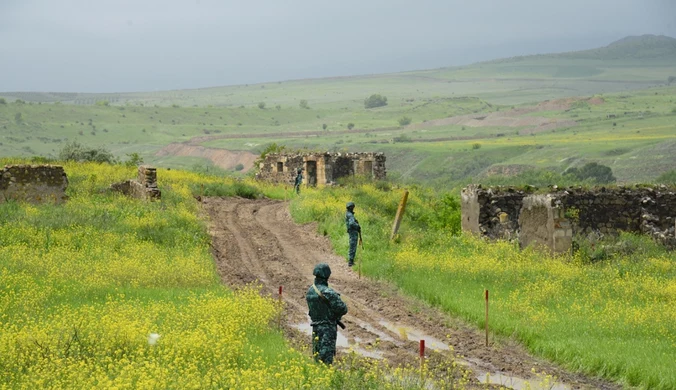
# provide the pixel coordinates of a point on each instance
(632, 47)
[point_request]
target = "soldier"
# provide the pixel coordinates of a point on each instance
(326, 310)
(299, 180)
(353, 231)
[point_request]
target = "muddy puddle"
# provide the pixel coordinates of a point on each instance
(517, 383)
(410, 333)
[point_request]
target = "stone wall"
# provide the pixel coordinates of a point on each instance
(321, 168)
(492, 212)
(33, 183)
(144, 187)
(553, 219)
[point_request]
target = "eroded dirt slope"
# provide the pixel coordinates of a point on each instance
(257, 240)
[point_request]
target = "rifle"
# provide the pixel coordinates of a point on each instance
(326, 301)
(360, 241)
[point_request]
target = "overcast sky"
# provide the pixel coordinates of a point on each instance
(145, 45)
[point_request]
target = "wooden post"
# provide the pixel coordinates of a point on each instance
(486, 295)
(400, 214)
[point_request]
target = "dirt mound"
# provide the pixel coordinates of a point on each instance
(257, 240)
(222, 158)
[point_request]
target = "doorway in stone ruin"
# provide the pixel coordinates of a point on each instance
(311, 169)
(368, 168)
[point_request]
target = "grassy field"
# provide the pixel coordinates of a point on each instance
(614, 318)
(86, 284)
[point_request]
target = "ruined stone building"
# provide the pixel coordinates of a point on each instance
(143, 187)
(321, 168)
(553, 219)
(33, 183)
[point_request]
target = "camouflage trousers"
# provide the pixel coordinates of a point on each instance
(296, 187)
(354, 239)
(324, 342)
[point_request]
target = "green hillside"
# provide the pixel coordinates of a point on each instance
(630, 125)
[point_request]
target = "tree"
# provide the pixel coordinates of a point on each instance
(303, 104)
(134, 159)
(404, 121)
(3, 101)
(599, 173)
(324, 126)
(350, 126)
(374, 101)
(239, 167)
(74, 151)
(261, 105)
(671, 80)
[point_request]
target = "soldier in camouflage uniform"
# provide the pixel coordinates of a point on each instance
(299, 180)
(353, 230)
(326, 310)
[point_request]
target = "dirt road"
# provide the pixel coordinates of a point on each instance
(257, 240)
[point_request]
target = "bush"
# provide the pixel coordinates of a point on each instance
(599, 173)
(476, 146)
(3, 101)
(18, 117)
(239, 167)
(404, 121)
(74, 151)
(103, 103)
(261, 105)
(303, 104)
(375, 100)
(350, 125)
(324, 126)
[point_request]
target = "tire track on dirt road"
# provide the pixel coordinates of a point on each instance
(257, 240)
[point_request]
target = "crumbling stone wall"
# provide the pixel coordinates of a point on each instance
(492, 212)
(144, 187)
(33, 183)
(553, 219)
(321, 168)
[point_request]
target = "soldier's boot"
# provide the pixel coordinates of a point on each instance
(350, 263)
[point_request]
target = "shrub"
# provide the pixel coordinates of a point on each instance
(324, 126)
(239, 167)
(18, 117)
(261, 105)
(74, 151)
(404, 121)
(350, 125)
(375, 100)
(3, 101)
(599, 173)
(476, 146)
(103, 103)
(278, 107)
(303, 104)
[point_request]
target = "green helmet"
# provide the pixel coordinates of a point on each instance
(322, 270)
(349, 205)
(299, 170)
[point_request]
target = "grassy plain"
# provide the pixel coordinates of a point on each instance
(613, 318)
(629, 76)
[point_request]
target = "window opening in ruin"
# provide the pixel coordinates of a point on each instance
(280, 166)
(368, 168)
(311, 169)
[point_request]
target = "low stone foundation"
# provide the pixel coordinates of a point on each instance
(33, 184)
(144, 187)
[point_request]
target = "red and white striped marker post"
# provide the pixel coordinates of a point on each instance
(486, 296)
(422, 358)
